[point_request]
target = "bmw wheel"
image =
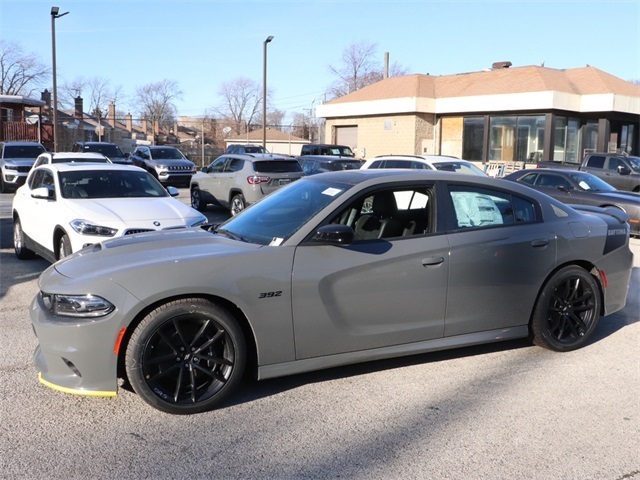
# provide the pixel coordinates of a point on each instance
(196, 200)
(186, 356)
(237, 204)
(567, 310)
(64, 247)
(22, 252)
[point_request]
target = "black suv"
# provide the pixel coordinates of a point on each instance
(167, 164)
(109, 150)
(326, 149)
(246, 149)
(617, 169)
(312, 164)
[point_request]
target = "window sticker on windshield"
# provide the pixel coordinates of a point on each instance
(584, 185)
(276, 242)
(332, 192)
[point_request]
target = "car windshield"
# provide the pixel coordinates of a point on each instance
(591, 183)
(107, 150)
(23, 151)
(459, 167)
(276, 166)
(255, 149)
(635, 163)
(90, 184)
(343, 151)
(349, 165)
(166, 154)
(276, 217)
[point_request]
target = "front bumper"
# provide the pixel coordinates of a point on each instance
(75, 357)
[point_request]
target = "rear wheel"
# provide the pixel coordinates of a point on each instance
(567, 311)
(186, 356)
(22, 252)
(237, 204)
(196, 200)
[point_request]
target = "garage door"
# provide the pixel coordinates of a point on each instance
(347, 136)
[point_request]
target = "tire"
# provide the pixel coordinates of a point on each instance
(567, 310)
(3, 186)
(22, 252)
(64, 247)
(196, 200)
(186, 356)
(237, 204)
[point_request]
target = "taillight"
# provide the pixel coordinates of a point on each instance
(255, 179)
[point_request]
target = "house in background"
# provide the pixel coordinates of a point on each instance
(522, 114)
(276, 141)
(22, 118)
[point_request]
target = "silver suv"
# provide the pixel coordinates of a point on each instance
(167, 164)
(235, 181)
(16, 160)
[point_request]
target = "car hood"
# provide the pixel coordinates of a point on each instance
(20, 161)
(136, 212)
(121, 160)
(621, 196)
(114, 258)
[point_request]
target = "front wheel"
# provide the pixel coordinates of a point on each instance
(567, 311)
(196, 200)
(22, 252)
(237, 204)
(64, 247)
(186, 356)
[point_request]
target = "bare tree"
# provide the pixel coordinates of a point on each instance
(275, 118)
(359, 67)
(20, 73)
(154, 101)
(97, 93)
(241, 102)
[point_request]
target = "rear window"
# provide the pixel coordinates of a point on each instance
(23, 151)
(277, 166)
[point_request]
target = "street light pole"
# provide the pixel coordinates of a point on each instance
(264, 92)
(54, 15)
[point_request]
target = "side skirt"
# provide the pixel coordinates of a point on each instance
(319, 363)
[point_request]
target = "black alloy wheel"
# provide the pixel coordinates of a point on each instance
(186, 356)
(567, 311)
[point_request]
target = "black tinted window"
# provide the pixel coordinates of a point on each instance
(596, 161)
(277, 166)
(23, 151)
(107, 150)
(166, 154)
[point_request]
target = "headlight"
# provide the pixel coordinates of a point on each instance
(197, 223)
(8, 166)
(87, 306)
(84, 227)
(160, 168)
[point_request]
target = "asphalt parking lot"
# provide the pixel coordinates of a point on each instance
(502, 411)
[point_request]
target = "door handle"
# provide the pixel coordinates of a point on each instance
(539, 243)
(430, 261)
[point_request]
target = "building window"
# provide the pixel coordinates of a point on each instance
(472, 138)
(6, 114)
(589, 138)
(517, 138)
(565, 140)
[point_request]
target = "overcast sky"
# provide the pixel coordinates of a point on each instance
(201, 44)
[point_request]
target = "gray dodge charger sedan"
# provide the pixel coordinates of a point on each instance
(333, 269)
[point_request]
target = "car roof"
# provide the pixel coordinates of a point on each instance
(68, 167)
(427, 158)
(87, 155)
(13, 142)
(330, 158)
(95, 143)
(258, 157)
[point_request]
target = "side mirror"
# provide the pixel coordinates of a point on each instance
(564, 188)
(173, 191)
(622, 170)
(333, 234)
(43, 193)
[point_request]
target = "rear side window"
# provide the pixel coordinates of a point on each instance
(277, 166)
(480, 207)
(596, 161)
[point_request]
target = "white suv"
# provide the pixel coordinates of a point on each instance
(424, 162)
(235, 181)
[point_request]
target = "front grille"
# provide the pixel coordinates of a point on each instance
(133, 231)
(182, 168)
(24, 169)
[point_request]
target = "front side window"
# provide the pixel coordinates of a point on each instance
(482, 208)
(596, 161)
(217, 165)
